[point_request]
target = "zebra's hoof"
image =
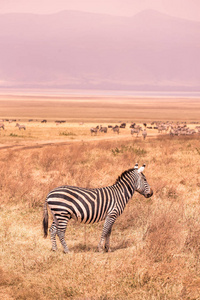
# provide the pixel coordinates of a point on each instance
(66, 251)
(54, 249)
(108, 249)
(100, 249)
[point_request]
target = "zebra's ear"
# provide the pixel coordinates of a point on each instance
(136, 166)
(141, 169)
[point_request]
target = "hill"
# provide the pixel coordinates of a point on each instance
(71, 49)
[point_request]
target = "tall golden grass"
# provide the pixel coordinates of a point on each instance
(155, 242)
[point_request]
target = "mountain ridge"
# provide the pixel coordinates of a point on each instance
(97, 51)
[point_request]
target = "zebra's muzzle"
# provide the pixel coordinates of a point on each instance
(149, 194)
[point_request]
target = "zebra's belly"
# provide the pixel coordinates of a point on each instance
(88, 219)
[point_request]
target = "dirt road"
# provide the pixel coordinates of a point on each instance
(56, 142)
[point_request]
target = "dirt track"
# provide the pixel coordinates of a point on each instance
(56, 142)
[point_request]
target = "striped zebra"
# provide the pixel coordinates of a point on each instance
(116, 129)
(103, 129)
(92, 205)
(135, 130)
(93, 130)
(20, 126)
(144, 134)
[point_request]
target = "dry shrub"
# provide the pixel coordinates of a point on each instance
(171, 192)
(191, 288)
(159, 186)
(164, 236)
(6, 279)
(192, 243)
(48, 160)
(135, 215)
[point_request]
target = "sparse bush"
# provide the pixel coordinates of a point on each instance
(66, 133)
(13, 135)
(164, 236)
(130, 149)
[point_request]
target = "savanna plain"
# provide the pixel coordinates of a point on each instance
(155, 242)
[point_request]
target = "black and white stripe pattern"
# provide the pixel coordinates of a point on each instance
(20, 126)
(93, 205)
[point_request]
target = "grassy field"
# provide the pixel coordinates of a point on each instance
(101, 109)
(155, 242)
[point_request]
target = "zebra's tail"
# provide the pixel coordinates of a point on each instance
(45, 220)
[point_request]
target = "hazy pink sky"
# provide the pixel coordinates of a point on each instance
(189, 9)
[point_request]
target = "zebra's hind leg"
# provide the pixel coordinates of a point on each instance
(53, 232)
(107, 243)
(61, 233)
(104, 243)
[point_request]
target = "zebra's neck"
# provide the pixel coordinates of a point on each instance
(125, 184)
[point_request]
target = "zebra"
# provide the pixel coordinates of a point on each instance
(94, 130)
(144, 134)
(103, 129)
(135, 130)
(162, 127)
(116, 129)
(92, 205)
(20, 126)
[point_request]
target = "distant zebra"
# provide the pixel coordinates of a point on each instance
(20, 126)
(135, 130)
(162, 128)
(92, 205)
(116, 129)
(103, 129)
(93, 130)
(144, 134)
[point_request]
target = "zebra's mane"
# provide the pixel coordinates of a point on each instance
(123, 174)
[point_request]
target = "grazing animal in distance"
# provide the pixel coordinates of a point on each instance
(135, 130)
(123, 125)
(93, 205)
(103, 129)
(94, 130)
(144, 134)
(116, 129)
(20, 126)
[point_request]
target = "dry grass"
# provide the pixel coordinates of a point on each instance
(155, 242)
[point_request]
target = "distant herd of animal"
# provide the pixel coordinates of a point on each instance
(173, 129)
(168, 127)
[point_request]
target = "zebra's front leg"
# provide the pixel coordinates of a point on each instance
(53, 232)
(104, 243)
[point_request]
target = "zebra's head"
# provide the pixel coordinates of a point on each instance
(141, 184)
